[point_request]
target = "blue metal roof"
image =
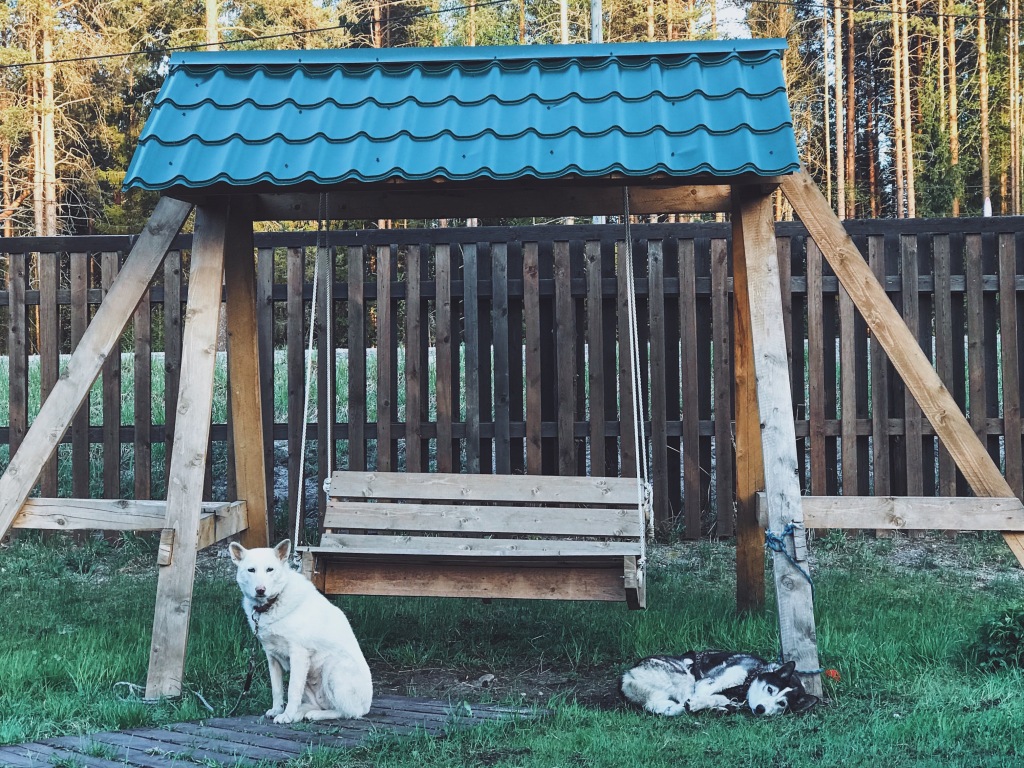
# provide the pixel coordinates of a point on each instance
(327, 116)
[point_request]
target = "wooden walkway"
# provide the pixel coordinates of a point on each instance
(245, 740)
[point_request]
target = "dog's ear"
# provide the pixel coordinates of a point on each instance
(802, 704)
(283, 549)
(237, 551)
(786, 670)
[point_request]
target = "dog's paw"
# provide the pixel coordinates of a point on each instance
(274, 712)
(284, 718)
(668, 708)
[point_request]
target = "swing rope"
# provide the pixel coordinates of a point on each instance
(321, 255)
(643, 485)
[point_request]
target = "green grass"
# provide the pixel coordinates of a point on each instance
(76, 627)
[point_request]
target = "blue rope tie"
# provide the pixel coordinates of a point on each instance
(777, 543)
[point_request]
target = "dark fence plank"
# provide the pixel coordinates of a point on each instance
(17, 345)
(723, 375)
(565, 356)
(659, 395)
(502, 379)
(471, 312)
(691, 392)
(415, 362)
(110, 265)
(48, 349)
(357, 342)
(79, 276)
(1010, 348)
(443, 389)
(531, 311)
(295, 344)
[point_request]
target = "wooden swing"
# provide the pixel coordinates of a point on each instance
(482, 536)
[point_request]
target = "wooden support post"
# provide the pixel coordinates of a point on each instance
(750, 591)
(778, 437)
(906, 355)
(188, 458)
(99, 339)
(244, 378)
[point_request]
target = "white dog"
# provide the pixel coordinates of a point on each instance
(305, 634)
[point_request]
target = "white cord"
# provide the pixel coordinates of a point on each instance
(301, 493)
(643, 486)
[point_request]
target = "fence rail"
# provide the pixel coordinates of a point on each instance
(504, 349)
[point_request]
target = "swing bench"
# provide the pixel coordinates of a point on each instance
(482, 536)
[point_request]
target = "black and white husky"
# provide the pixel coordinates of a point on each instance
(716, 680)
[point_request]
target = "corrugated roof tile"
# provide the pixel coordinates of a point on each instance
(286, 117)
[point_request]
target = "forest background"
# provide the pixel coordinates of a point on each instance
(905, 108)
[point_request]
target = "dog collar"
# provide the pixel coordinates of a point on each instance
(266, 606)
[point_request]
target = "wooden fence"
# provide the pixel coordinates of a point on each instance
(497, 349)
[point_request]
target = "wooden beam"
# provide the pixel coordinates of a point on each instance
(60, 514)
(441, 579)
(99, 340)
(778, 438)
(458, 201)
(188, 457)
(750, 576)
(244, 377)
(940, 513)
(907, 357)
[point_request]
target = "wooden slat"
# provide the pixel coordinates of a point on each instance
(413, 579)
(143, 398)
(99, 339)
(68, 514)
(356, 359)
(595, 357)
(444, 353)
(944, 349)
(80, 424)
(1010, 349)
(462, 518)
(184, 486)
(974, 305)
(485, 359)
(879, 385)
(778, 440)
(387, 400)
(48, 350)
(111, 392)
(911, 411)
(537, 489)
(913, 513)
(265, 345)
(415, 362)
(816, 368)
(722, 351)
(471, 313)
(499, 322)
(848, 349)
(691, 392)
(246, 390)
(565, 349)
(438, 546)
(627, 415)
(172, 351)
(326, 367)
(531, 310)
(295, 354)
(750, 571)
(17, 351)
(886, 325)
(658, 386)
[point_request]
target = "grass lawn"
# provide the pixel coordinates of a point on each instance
(895, 619)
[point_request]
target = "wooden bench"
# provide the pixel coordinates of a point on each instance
(483, 536)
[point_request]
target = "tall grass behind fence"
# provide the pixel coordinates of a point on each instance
(506, 350)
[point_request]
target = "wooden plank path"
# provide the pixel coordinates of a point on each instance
(231, 741)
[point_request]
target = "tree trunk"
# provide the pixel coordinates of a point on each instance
(872, 151)
(650, 20)
(986, 181)
(897, 107)
(954, 116)
(1015, 109)
(851, 125)
(827, 115)
(908, 123)
(5, 158)
(212, 33)
(48, 134)
(837, 72)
